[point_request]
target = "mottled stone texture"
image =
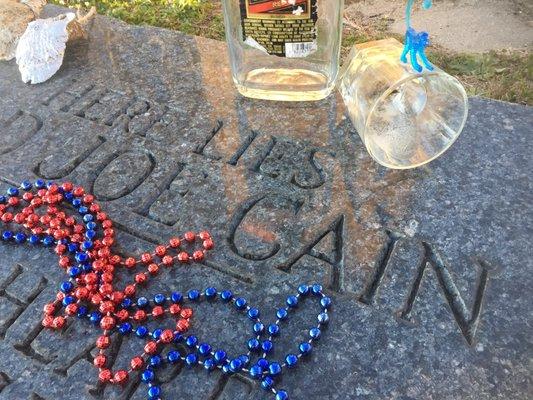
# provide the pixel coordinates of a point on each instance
(430, 269)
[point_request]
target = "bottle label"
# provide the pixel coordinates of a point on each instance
(285, 28)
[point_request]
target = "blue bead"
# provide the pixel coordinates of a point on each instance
(12, 192)
(141, 331)
(323, 318)
(66, 286)
(80, 257)
(259, 327)
(235, 365)
(87, 245)
(72, 247)
(142, 302)
(154, 392)
(256, 372)
(91, 225)
(69, 196)
(82, 312)
(3, 199)
(225, 368)
(204, 349)
(7, 235)
(263, 363)
(147, 375)
(73, 272)
(178, 337)
(86, 268)
(253, 313)
(281, 314)
(267, 383)
(68, 300)
(193, 295)
(267, 345)
(26, 185)
(240, 303)
(191, 341)
(33, 239)
(159, 299)
(210, 292)
(325, 302)
(156, 334)
(127, 302)
(155, 360)
(209, 364)
(90, 234)
(176, 297)
(273, 329)
(292, 301)
(253, 344)
(244, 359)
(317, 289)
(173, 356)
(191, 359)
(220, 356)
(314, 333)
(87, 217)
(83, 210)
(48, 240)
(95, 317)
(76, 203)
(291, 360)
(282, 395)
(125, 328)
(39, 184)
(226, 295)
(303, 289)
(20, 237)
(274, 369)
(305, 348)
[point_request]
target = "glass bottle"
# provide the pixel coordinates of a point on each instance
(284, 49)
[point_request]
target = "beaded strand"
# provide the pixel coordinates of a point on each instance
(84, 251)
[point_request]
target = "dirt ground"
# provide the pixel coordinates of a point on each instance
(459, 25)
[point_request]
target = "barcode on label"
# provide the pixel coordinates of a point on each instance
(296, 50)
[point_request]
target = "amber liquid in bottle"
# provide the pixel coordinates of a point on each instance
(284, 49)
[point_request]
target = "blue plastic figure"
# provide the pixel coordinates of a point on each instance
(416, 42)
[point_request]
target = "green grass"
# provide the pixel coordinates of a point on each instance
(504, 76)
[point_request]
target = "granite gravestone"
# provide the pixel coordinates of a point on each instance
(430, 269)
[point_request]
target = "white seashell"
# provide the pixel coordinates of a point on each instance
(41, 48)
(15, 15)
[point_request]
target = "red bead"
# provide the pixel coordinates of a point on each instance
(104, 375)
(67, 186)
(183, 257)
(49, 309)
(168, 261)
(208, 244)
(107, 307)
(146, 258)
(182, 325)
(117, 297)
(107, 323)
(120, 377)
(136, 363)
(122, 315)
(198, 255)
(100, 360)
(186, 313)
(130, 262)
(13, 201)
(204, 235)
(106, 288)
(150, 347)
(174, 309)
(78, 191)
(58, 322)
(47, 321)
(175, 242)
(189, 236)
(141, 278)
(153, 269)
(103, 342)
(157, 311)
(167, 336)
(160, 251)
(139, 315)
(71, 309)
(129, 290)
